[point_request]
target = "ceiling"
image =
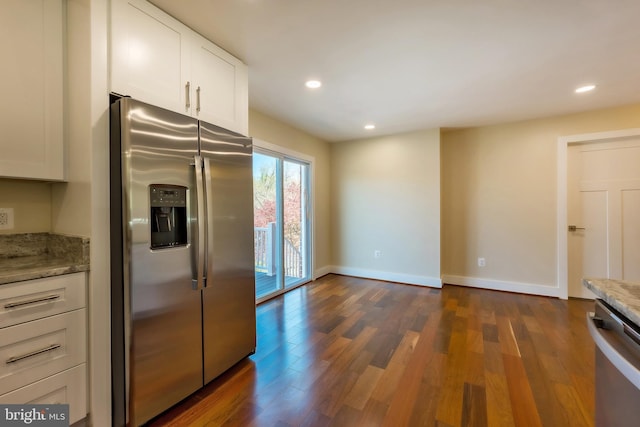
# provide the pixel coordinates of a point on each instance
(415, 64)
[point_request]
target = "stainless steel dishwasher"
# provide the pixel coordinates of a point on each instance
(617, 367)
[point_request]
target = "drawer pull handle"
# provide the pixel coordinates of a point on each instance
(33, 353)
(32, 301)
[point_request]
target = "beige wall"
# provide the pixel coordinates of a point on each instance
(31, 203)
(385, 196)
(275, 132)
(499, 196)
(41, 207)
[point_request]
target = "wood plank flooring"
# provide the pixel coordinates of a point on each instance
(344, 351)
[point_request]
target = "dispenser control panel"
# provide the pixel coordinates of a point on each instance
(168, 196)
(168, 215)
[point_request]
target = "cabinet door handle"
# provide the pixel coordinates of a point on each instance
(31, 354)
(187, 95)
(198, 99)
(32, 301)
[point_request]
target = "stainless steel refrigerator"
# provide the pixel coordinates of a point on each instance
(183, 293)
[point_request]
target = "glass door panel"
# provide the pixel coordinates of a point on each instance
(295, 223)
(265, 222)
(281, 222)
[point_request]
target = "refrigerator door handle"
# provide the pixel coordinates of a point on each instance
(198, 252)
(207, 186)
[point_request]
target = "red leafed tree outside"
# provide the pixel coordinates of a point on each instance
(265, 204)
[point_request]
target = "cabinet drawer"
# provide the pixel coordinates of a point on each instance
(34, 350)
(34, 299)
(69, 386)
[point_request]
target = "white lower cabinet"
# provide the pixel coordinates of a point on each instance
(40, 348)
(43, 350)
(38, 298)
(65, 387)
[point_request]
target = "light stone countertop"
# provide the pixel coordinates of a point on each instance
(619, 294)
(28, 268)
(37, 255)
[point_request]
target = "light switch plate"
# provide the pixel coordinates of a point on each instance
(6, 218)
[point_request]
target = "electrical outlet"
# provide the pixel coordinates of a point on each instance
(481, 262)
(377, 254)
(6, 218)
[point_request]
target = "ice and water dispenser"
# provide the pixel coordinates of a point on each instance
(168, 219)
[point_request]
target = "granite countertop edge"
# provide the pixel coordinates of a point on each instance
(622, 295)
(41, 272)
(30, 256)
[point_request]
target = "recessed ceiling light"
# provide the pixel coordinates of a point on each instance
(313, 84)
(586, 88)
(369, 126)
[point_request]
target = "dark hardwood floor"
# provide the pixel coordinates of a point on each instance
(344, 351)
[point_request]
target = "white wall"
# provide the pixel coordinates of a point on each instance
(499, 199)
(81, 206)
(71, 200)
(385, 195)
(93, 21)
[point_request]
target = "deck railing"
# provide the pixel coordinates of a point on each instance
(292, 260)
(266, 253)
(264, 249)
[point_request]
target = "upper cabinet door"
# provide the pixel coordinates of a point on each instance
(31, 83)
(149, 55)
(220, 86)
(158, 60)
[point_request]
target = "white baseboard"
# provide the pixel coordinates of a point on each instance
(387, 276)
(500, 285)
(322, 271)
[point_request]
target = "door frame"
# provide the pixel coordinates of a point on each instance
(310, 160)
(562, 206)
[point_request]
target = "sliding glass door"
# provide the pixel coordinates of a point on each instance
(281, 221)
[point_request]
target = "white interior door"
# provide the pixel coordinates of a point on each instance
(604, 204)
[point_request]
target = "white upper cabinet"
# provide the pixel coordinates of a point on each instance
(31, 83)
(149, 61)
(220, 85)
(156, 59)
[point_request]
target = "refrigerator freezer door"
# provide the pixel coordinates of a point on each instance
(229, 315)
(162, 330)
